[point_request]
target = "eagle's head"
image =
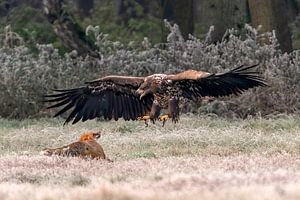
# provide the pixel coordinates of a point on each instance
(150, 85)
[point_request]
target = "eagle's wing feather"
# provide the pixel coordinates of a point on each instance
(110, 97)
(195, 84)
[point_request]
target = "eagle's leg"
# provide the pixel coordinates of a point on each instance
(155, 111)
(172, 112)
(173, 109)
(144, 118)
(153, 115)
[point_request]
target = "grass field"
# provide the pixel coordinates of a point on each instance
(199, 158)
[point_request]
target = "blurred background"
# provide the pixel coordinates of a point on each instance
(126, 20)
(46, 44)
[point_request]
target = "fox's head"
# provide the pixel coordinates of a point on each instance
(89, 136)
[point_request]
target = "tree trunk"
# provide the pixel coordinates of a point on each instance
(65, 27)
(292, 10)
(85, 6)
(271, 15)
(129, 9)
(183, 16)
(222, 14)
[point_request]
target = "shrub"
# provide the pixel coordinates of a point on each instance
(25, 78)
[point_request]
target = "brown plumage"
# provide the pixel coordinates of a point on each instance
(114, 97)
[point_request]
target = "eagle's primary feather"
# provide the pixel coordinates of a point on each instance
(114, 97)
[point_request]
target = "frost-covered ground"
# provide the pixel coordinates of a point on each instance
(199, 158)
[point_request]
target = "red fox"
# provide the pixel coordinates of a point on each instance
(87, 146)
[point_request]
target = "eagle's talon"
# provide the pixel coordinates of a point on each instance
(163, 119)
(153, 121)
(144, 118)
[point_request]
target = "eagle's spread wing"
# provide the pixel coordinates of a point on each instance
(194, 84)
(110, 97)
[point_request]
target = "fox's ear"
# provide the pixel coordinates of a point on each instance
(97, 135)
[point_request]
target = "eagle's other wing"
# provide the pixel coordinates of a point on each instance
(195, 84)
(110, 97)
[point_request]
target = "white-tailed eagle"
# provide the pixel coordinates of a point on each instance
(132, 98)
